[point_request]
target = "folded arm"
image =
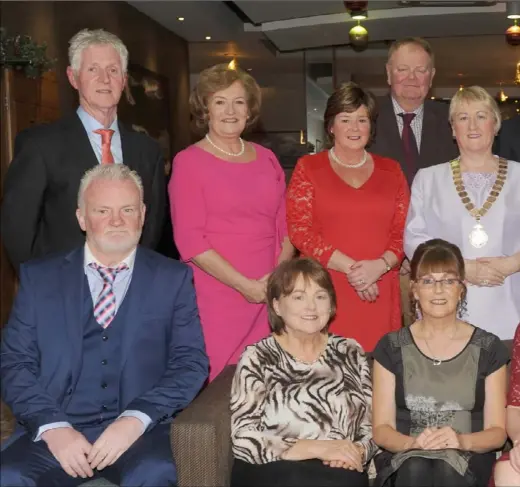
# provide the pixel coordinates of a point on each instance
(187, 367)
(22, 391)
(302, 228)
(250, 443)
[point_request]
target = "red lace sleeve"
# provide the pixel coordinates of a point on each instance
(513, 398)
(302, 230)
(402, 202)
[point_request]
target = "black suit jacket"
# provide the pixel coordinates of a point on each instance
(437, 143)
(41, 187)
(508, 141)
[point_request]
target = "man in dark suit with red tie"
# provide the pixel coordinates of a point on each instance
(411, 129)
(38, 210)
(507, 144)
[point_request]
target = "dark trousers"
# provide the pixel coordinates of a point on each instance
(148, 462)
(285, 473)
(426, 472)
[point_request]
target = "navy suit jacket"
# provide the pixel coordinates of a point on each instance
(163, 360)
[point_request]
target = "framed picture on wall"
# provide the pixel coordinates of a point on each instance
(145, 107)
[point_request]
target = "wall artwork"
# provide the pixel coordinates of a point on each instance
(145, 108)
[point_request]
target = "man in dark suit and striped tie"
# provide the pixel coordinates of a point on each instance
(103, 347)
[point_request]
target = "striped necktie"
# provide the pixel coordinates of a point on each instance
(105, 307)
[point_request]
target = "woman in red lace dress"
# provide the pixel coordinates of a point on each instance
(347, 208)
(507, 470)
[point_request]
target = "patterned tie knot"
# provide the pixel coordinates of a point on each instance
(106, 135)
(407, 118)
(108, 274)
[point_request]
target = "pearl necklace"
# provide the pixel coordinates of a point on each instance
(232, 154)
(337, 160)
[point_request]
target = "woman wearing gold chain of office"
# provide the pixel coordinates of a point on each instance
(474, 202)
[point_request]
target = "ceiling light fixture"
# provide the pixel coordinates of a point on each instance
(513, 34)
(358, 37)
(180, 19)
(208, 38)
(357, 9)
(513, 10)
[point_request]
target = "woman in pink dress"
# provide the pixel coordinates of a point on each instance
(228, 211)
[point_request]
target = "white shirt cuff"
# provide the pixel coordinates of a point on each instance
(51, 426)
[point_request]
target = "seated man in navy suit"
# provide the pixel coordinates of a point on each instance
(102, 348)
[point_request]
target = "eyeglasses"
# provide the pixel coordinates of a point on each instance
(418, 71)
(430, 282)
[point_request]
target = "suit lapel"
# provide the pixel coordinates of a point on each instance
(429, 139)
(130, 151)
(78, 145)
(390, 132)
(142, 278)
(73, 281)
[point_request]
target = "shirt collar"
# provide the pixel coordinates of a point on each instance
(91, 124)
(89, 258)
(397, 108)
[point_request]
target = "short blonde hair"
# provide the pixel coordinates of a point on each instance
(412, 41)
(110, 172)
(218, 78)
(86, 38)
(476, 94)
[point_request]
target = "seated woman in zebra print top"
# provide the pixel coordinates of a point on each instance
(301, 398)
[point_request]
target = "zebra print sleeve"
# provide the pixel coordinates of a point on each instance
(248, 391)
(364, 436)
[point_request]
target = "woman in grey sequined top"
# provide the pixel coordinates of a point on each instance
(474, 202)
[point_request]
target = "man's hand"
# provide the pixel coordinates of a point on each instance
(70, 448)
(114, 441)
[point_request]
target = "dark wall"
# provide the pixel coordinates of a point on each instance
(150, 45)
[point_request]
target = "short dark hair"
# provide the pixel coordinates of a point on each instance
(348, 97)
(283, 279)
(438, 255)
(414, 41)
(218, 78)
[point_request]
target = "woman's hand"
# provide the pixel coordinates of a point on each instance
(505, 265)
(443, 438)
(480, 273)
(418, 442)
(514, 456)
(370, 294)
(364, 273)
(254, 290)
(340, 454)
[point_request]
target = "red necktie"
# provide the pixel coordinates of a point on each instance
(411, 152)
(106, 139)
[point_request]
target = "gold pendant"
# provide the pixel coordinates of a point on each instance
(478, 237)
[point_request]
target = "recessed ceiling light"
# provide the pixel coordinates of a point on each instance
(208, 38)
(180, 19)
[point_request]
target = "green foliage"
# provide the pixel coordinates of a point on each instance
(21, 52)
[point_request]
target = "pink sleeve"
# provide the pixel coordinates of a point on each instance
(188, 206)
(281, 216)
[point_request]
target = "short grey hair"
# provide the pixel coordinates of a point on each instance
(110, 172)
(86, 38)
(476, 94)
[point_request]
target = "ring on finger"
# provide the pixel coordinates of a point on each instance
(485, 282)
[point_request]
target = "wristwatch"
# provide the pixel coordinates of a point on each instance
(388, 266)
